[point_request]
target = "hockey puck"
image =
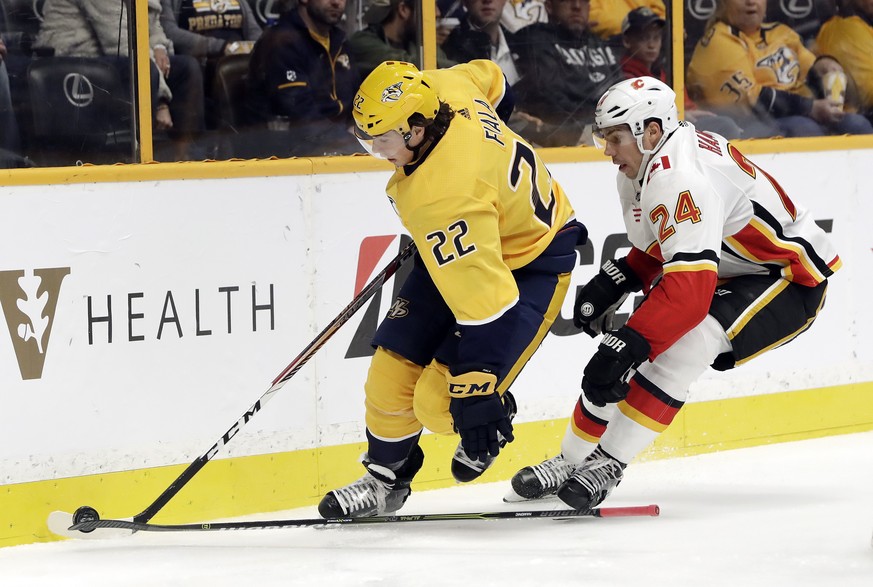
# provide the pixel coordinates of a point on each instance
(85, 514)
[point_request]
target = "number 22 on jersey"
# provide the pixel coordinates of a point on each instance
(455, 241)
(543, 207)
(449, 245)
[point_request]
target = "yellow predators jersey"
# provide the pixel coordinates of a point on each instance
(479, 203)
(729, 67)
(850, 40)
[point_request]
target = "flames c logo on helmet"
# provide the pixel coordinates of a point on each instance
(637, 84)
(392, 93)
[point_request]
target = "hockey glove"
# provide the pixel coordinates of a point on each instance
(478, 413)
(599, 299)
(606, 377)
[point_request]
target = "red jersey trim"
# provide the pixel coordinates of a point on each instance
(677, 304)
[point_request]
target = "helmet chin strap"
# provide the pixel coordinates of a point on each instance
(416, 151)
(647, 154)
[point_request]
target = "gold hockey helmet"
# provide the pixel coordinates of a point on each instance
(393, 92)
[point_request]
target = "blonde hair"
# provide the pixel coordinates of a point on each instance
(718, 15)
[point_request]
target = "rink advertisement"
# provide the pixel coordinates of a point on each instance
(142, 319)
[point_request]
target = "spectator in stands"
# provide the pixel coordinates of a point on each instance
(97, 29)
(757, 73)
(391, 34)
(827, 78)
(9, 138)
(848, 37)
(444, 26)
(565, 69)
(160, 46)
(643, 36)
(607, 16)
(479, 35)
(208, 31)
(804, 17)
(518, 14)
(301, 78)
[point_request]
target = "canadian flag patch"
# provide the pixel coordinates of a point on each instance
(662, 162)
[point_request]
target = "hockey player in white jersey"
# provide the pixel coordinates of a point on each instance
(730, 266)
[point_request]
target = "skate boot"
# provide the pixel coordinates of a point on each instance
(592, 481)
(539, 481)
(379, 492)
(465, 469)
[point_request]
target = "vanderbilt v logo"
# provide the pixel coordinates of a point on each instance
(29, 301)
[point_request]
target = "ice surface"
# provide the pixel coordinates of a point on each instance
(797, 514)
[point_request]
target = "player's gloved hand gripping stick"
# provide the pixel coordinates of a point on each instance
(607, 375)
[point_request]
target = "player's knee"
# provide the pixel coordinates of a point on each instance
(390, 382)
(675, 369)
(391, 426)
(431, 401)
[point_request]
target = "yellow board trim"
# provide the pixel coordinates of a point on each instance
(246, 485)
(361, 163)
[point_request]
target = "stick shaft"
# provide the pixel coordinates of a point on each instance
(365, 294)
(603, 512)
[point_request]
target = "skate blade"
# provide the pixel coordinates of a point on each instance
(512, 497)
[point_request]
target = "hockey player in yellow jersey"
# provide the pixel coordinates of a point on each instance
(756, 72)
(731, 268)
(496, 239)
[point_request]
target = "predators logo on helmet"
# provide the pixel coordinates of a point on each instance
(393, 92)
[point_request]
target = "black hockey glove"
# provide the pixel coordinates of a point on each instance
(478, 413)
(605, 380)
(598, 300)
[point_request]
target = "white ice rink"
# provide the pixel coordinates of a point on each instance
(797, 514)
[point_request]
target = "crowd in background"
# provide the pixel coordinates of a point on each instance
(261, 78)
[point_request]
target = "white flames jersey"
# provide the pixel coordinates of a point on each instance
(703, 202)
(704, 212)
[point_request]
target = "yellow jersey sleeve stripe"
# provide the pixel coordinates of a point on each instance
(689, 266)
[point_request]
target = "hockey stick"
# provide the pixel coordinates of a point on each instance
(365, 294)
(605, 512)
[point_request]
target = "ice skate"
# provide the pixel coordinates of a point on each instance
(539, 481)
(465, 469)
(592, 481)
(381, 491)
